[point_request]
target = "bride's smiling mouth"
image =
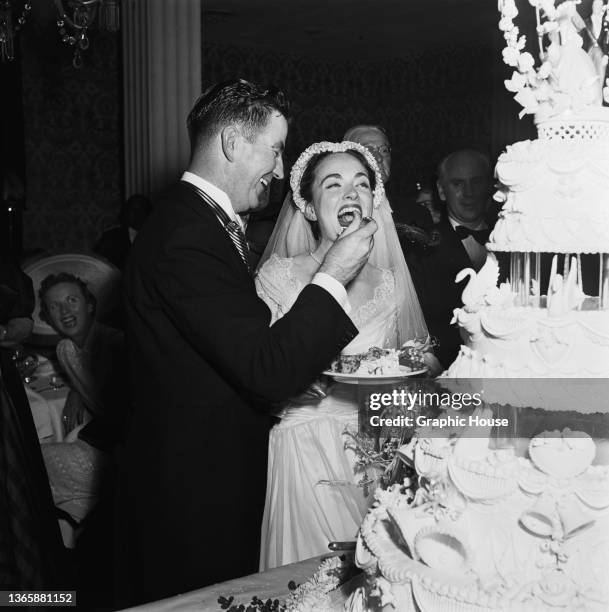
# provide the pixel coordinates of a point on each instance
(346, 214)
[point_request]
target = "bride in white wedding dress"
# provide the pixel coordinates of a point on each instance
(313, 495)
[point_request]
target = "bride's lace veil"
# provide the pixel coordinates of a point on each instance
(293, 235)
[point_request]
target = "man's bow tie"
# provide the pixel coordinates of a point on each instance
(480, 236)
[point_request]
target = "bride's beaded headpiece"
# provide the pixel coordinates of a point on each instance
(333, 147)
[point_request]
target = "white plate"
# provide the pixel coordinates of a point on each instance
(355, 378)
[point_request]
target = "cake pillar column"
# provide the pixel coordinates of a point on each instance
(527, 278)
(603, 294)
(536, 278)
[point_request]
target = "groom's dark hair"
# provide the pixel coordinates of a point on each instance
(234, 102)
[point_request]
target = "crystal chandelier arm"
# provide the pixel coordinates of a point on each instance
(79, 4)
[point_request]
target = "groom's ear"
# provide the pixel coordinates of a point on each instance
(229, 138)
(309, 212)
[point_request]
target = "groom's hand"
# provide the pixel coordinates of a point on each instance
(350, 252)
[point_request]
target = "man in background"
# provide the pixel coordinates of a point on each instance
(464, 185)
(413, 223)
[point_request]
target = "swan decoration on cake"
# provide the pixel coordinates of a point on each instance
(564, 295)
(481, 289)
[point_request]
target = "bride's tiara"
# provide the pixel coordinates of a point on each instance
(332, 147)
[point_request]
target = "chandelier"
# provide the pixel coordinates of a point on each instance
(74, 18)
(8, 30)
(77, 16)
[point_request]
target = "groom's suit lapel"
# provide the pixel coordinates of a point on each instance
(196, 203)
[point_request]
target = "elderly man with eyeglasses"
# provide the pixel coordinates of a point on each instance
(414, 224)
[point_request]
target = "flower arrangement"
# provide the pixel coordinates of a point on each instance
(376, 466)
(313, 595)
(567, 79)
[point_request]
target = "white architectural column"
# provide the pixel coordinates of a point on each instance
(161, 81)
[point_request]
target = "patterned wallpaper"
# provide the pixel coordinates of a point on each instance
(430, 104)
(72, 137)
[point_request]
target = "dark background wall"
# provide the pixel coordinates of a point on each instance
(431, 99)
(72, 132)
(430, 103)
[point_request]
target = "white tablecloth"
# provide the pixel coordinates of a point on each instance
(272, 584)
(47, 403)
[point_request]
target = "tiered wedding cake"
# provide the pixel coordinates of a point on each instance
(493, 526)
(489, 530)
(555, 191)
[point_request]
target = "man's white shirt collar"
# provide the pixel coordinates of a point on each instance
(219, 196)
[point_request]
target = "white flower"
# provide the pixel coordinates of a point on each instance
(522, 41)
(500, 195)
(516, 83)
(525, 62)
(544, 70)
(510, 56)
(505, 24)
(526, 98)
(532, 79)
(511, 37)
(509, 9)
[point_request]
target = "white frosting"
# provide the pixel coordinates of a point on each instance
(526, 342)
(556, 197)
(497, 532)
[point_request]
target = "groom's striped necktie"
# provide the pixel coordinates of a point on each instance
(232, 227)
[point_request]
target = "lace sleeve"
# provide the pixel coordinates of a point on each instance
(277, 286)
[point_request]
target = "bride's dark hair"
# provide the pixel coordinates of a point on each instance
(306, 182)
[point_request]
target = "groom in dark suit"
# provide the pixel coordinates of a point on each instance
(206, 364)
(464, 183)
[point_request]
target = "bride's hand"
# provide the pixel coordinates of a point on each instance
(314, 393)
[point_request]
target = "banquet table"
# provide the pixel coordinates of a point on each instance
(272, 584)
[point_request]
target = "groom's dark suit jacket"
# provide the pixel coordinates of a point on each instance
(205, 366)
(433, 272)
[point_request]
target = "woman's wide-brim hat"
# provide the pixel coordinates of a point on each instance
(101, 276)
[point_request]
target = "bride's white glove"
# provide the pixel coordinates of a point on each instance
(314, 393)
